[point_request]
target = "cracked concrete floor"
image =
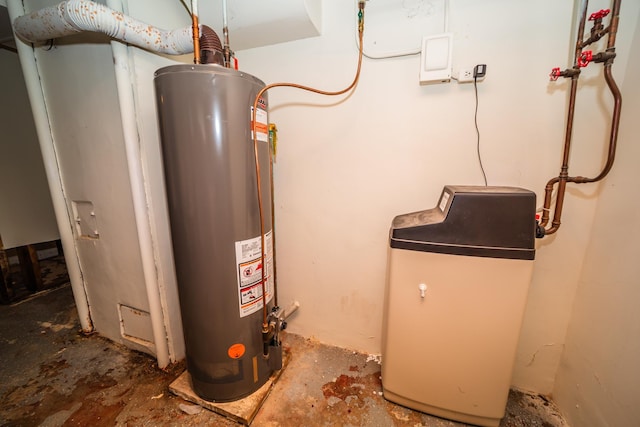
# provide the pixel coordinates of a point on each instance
(54, 376)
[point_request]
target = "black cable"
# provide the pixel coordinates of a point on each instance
(475, 88)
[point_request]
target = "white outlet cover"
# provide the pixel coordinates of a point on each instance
(435, 60)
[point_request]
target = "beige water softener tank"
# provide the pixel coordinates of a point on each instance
(458, 277)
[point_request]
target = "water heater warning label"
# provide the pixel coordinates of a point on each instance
(249, 272)
(262, 125)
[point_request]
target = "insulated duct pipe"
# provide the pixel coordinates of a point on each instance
(75, 16)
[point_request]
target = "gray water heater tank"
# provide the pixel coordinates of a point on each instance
(205, 116)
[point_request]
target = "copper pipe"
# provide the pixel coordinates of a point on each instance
(581, 25)
(548, 193)
(265, 325)
(617, 99)
(561, 180)
(564, 177)
(564, 169)
(227, 48)
(273, 228)
(613, 26)
(196, 38)
(613, 139)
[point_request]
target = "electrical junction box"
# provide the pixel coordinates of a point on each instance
(435, 59)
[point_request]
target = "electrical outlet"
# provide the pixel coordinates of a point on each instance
(465, 75)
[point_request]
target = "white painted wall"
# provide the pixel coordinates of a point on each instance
(598, 377)
(26, 213)
(346, 167)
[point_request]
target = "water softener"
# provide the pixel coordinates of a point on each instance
(458, 277)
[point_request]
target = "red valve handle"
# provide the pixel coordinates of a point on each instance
(585, 58)
(555, 73)
(599, 14)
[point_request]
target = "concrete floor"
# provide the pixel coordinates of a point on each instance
(54, 376)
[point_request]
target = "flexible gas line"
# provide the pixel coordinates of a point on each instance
(410, 52)
(361, 4)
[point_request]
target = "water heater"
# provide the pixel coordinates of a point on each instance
(205, 114)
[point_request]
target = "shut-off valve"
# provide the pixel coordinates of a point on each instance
(277, 322)
(587, 56)
(597, 16)
(569, 72)
(271, 338)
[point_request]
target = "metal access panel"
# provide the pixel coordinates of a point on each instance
(204, 114)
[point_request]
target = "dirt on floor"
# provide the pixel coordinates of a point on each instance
(53, 375)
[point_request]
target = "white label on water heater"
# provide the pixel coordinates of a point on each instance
(249, 272)
(262, 125)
